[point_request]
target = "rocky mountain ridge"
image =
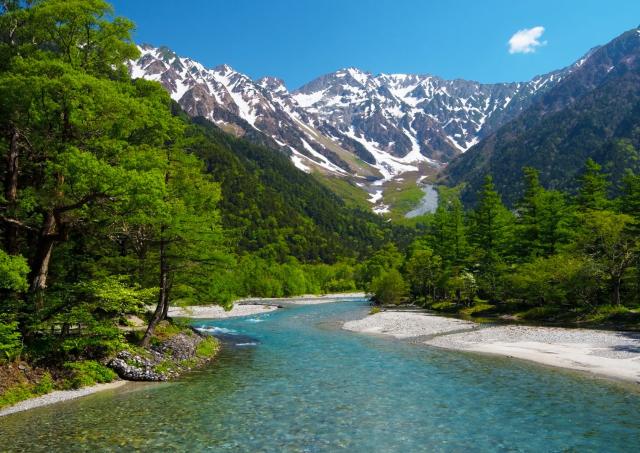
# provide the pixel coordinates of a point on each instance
(348, 123)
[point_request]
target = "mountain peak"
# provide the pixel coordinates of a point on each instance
(348, 122)
(273, 84)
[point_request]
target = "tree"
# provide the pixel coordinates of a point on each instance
(423, 269)
(187, 233)
(384, 259)
(528, 220)
(606, 238)
(389, 288)
(491, 234)
(542, 219)
(87, 137)
(592, 193)
(448, 232)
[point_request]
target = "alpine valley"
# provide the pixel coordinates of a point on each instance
(373, 131)
(255, 245)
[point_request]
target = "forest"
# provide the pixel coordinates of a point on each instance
(555, 257)
(115, 201)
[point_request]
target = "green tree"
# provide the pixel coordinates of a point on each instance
(592, 193)
(491, 235)
(542, 219)
(606, 237)
(423, 270)
(449, 232)
(389, 288)
(187, 233)
(383, 260)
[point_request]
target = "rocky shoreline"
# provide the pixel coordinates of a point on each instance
(164, 361)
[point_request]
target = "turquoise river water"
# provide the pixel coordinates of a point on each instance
(293, 381)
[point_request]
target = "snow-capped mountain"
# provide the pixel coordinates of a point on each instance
(404, 113)
(261, 110)
(349, 122)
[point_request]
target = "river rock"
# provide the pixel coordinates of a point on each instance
(135, 368)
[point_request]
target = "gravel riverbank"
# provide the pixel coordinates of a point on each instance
(609, 354)
(59, 396)
(254, 306)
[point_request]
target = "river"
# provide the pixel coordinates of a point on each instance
(292, 380)
(428, 203)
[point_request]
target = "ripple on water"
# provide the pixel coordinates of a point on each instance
(308, 386)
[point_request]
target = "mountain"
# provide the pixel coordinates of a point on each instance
(594, 112)
(348, 123)
(271, 209)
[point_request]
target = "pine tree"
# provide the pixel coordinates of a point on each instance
(491, 234)
(592, 194)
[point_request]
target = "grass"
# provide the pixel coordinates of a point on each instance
(478, 309)
(207, 348)
(612, 315)
(446, 306)
(165, 330)
(402, 197)
(25, 390)
(345, 189)
(374, 310)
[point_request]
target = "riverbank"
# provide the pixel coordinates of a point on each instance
(306, 299)
(609, 354)
(217, 312)
(255, 306)
(59, 396)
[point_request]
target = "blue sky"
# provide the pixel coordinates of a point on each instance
(298, 40)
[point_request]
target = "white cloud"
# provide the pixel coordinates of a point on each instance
(526, 41)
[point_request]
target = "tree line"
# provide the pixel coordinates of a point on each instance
(555, 256)
(114, 200)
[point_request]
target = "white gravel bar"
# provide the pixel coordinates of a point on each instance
(58, 396)
(608, 354)
(307, 299)
(254, 306)
(217, 312)
(404, 324)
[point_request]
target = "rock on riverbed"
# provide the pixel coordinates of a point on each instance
(161, 362)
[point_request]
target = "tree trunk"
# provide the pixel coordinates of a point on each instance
(11, 192)
(615, 296)
(165, 309)
(40, 264)
(162, 297)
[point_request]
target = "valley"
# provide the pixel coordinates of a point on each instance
(200, 258)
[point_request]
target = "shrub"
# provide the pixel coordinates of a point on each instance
(165, 330)
(45, 385)
(15, 394)
(10, 339)
(88, 372)
(374, 310)
(24, 390)
(540, 313)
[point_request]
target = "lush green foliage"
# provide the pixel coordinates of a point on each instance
(10, 339)
(207, 348)
(88, 372)
(554, 256)
(389, 288)
(114, 200)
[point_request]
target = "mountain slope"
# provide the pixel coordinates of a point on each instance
(272, 209)
(593, 112)
(348, 123)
